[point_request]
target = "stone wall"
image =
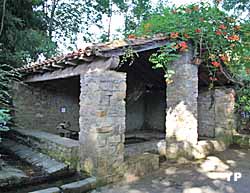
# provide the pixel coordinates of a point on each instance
(155, 110)
(39, 105)
(102, 122)
(225, 120)
(182, 107)
(145, 107)
(135, 114)
(58, 148)
(216, 112)
(206, 114)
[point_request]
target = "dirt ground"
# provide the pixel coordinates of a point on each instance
(207, 176)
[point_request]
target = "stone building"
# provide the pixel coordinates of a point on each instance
(123, 108)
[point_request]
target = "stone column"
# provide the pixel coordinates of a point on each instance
(224, 114)
(102, 122)
(181, 115)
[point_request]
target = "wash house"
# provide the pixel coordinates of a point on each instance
(114, 107)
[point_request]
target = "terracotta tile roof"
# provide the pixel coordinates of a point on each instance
(116, 47)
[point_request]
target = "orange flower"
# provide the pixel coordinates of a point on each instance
(186, 35)
(198, 30)
(234, 38)
(223, 27)
(131, 36)
(183, 46)
(215, 64)
(224, 33)
(237, 27)
(174, 35)
(218, 32)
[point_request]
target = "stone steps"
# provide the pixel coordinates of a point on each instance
(10, 175)
(48, 165)
(60, 148)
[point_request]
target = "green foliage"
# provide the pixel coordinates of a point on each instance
(129, 55)
(243, 99)
(24, 33)
(4, 119)
(163, 58)
(239, 6)
(7, 75)
(219, 40)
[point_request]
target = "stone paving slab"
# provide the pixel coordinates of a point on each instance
(49, 190)
(79, 186)
(204, 176)
(10, 175)
(48, 165)
(50, 137)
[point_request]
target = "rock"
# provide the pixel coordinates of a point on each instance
(49, 190)
(79, 186)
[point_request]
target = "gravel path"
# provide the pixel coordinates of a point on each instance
(207, 176)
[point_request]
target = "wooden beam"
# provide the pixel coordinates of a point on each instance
(136, 48)
(98, 64)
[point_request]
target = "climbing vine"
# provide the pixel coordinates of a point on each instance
(129, 55)
(220, 41)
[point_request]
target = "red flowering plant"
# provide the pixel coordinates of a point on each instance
(221, 41)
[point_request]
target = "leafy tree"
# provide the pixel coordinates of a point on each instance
(23, 33)
(240, 7)
(22, 38)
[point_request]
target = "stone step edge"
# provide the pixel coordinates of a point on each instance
(50, 173)
(243, 140)
(25, 134)
(81, 186)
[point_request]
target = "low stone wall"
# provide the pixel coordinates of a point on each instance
(133, 168)
(75, 187)
(140, 165)
(216, 116)
(61, 149)
(157, 147)
(242, 140)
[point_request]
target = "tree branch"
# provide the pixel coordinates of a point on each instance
(2, 20)
(229, 77)
(54, 5)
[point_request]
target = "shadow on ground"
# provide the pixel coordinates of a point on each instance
(206, 176)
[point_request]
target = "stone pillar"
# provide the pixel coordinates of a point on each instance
(225, 120)
(102, 122)
(181, 115)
